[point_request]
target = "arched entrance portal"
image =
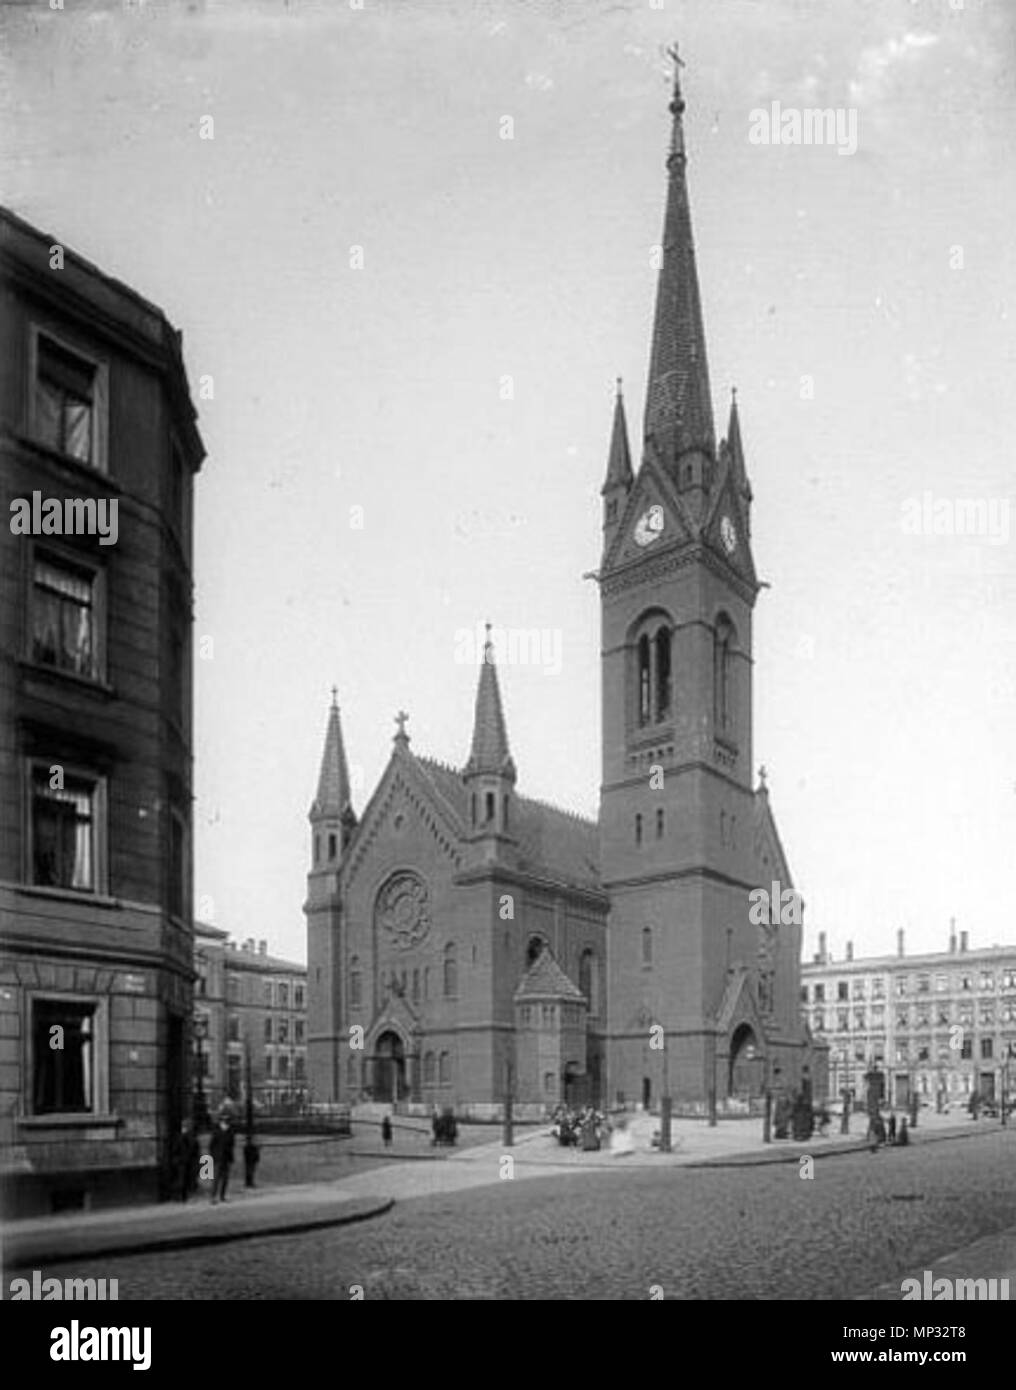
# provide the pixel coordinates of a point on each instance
(389, 1068)
(745, 1073)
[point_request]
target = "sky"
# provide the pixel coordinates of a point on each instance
(413, 324)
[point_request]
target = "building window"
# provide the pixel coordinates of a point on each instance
(451, 973)
(428, 1069)
(804, 994)
(548, 1082)
(283, 996)
(269, 1065)
(818, 1021)
(283, 1030)
(300, 1067)
(723, 643)
(647, 945)
(923, 984)
(944, 1018)
(65, 401)
(859, 1018)
(987, 1049)
(858, 989)
(659, 823)
(966, 983)
(298, 994)
(987, 980)
(967, 1049)
(820, 994)
(444, 1070)
(298, 1031)
(663, 681)
(842, 1020)
(333, 846)
(66, 628)
(902, 1018)
(233, 1076)
(644, 678)
(987, 1016)
(416, 986)
(64, 829)
(1009, 979)
(878, 988)
(355, 982)
(941, 984)
(268, 1030)
(589, 978)
(901, 986)
(233, 989)
(268, 993)
(638, 829)
(63, 1057)
(878, 1016)
(841, 989)
(233, 1028)
(283, 1065)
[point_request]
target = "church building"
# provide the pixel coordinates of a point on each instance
(465, 941)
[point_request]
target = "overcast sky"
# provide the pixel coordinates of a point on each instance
(885, 674)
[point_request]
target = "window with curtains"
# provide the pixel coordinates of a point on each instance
(65, 815)
(65, 623)
(65, 401)
(63, 1057)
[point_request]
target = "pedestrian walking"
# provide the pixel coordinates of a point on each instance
(386, 1132)
(892, 1126)
(222, 1149)
(185, 1160)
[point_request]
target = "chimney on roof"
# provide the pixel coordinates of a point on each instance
(821, 957)
(952, 936)
(963, 940)
(899, 943)
(262, 948)
(850, 950)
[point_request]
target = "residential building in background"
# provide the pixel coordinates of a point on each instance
(245, 996)
(942, 1023)
(95, 731)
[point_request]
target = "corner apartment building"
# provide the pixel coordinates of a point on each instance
(246, 996)
(96, 938)
(941, 1023)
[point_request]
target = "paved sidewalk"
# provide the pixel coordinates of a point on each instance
(994, 1257)
(178, 1225)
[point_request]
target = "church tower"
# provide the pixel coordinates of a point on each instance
(683, 834)
(332, 822)
(489, 775)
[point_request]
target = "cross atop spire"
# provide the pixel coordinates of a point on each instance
(679, 412)
(401, 736)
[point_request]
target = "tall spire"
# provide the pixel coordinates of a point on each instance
(333, 782)
(679, 412)
(619, 472)
(736, 449)
(489, 751)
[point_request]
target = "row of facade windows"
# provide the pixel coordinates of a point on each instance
(274, 995)
(965, 982)
(415, 983)
(275, 1030)
(944, 1016)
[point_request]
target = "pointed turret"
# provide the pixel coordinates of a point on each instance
(679, 412)
(619, 479)
(489, 752)
(332, 812)
(489, 774)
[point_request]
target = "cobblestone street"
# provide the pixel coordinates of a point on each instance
(757, 1232)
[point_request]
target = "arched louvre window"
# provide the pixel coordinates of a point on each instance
(644, 681)
(663, 679)
(451, 972)
(638, 829)
(444, 1069)
(647, 945)
(722, 675)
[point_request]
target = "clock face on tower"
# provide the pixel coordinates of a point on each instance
(728, 535)
(649, 526)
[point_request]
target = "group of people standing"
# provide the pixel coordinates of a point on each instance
(186, 1159)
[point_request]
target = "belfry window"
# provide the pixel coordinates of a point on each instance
(638, 829)
(722, 676)
(645, 685)
(662, 644)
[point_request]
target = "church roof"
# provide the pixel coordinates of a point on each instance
(546, 980)
(619, 472)
(552, 843)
